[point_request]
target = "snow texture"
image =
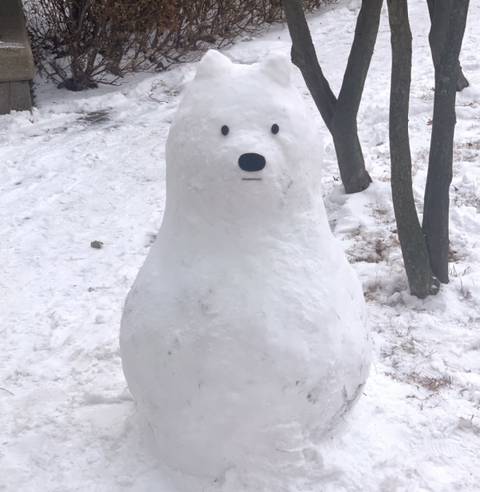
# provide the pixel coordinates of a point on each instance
(90, 166)
(244, 336)
(11, 45)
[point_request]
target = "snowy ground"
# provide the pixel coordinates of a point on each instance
(90, 167)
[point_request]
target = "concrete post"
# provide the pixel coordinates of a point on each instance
(16, 60)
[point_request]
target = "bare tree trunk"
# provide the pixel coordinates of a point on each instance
(412, 240)
(462, 81)
(446, 35)
(305, 58)
(340, 115)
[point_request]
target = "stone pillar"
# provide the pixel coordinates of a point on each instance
(16, 60)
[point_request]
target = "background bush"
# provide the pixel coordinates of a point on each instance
(79, 43)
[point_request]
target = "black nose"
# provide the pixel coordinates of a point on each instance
(251, 162)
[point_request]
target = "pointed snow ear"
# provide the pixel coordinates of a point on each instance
(278, 68)
(212, 64)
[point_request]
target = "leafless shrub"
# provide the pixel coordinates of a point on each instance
(80, 43)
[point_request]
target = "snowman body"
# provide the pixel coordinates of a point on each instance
(244, 337)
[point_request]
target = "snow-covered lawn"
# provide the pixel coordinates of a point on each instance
(90, 167)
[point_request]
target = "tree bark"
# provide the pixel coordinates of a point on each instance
(412, 240)
(446, 36)
(305, 58)
(339, 115)
(462, 81)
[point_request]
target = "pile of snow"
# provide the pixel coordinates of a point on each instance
(244, 336)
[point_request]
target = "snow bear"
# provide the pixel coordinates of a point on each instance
(244, 336)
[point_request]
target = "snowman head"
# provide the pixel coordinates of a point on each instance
(242, 146)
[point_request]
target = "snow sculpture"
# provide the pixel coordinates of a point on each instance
(244, 337)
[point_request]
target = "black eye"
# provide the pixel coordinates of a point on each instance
(275, 128)
(225, 130)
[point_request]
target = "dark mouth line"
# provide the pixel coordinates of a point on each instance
(251, 179)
